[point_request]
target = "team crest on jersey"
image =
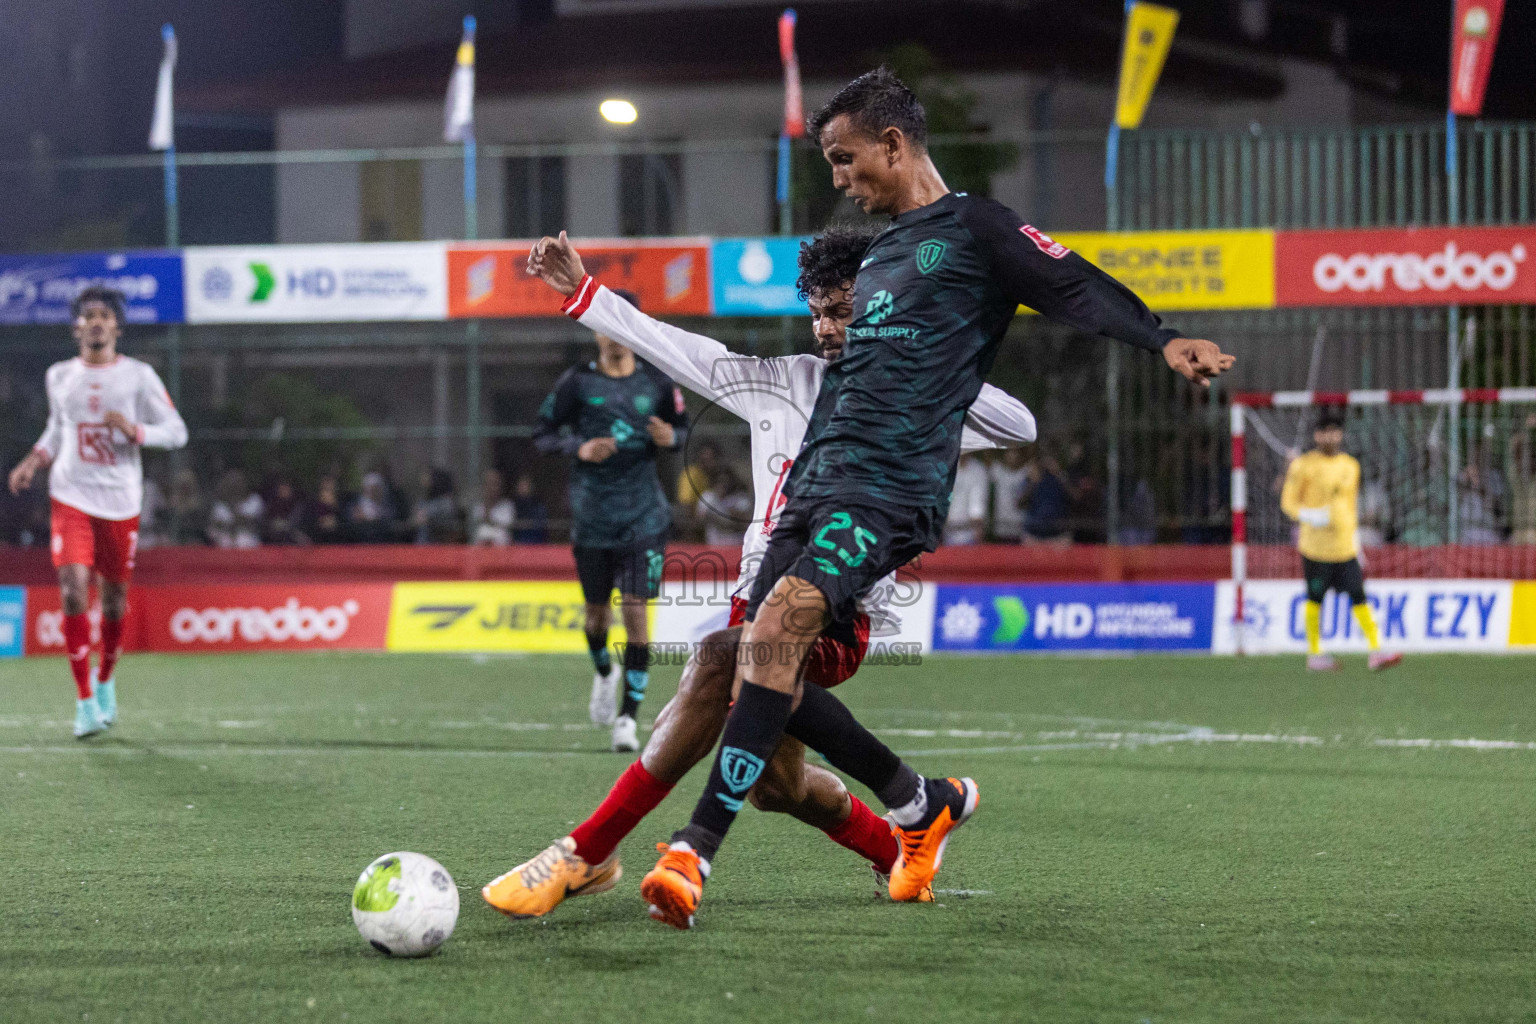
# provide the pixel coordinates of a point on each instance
(643, 404)
(881, 306)
(930, 254)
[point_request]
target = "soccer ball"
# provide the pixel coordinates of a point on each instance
(405, 904)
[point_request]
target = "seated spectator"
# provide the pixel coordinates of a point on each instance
(284, 520)
(1008, 474)
(697, 477)
(1477, 506)
(1522, 483)
(493, 514)
(967, 522)
(234, 519)
(1046, 499)
(1375, 514)
(437, 518)
(532, 513)
(725, 509)
(327, 522)
(371, 519)
(187, 511)
(154, 520)
(1086, 511)
(1138, 512)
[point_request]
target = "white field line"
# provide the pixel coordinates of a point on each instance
(1467, 744)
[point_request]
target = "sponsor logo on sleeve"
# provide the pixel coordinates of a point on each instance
(1044, 242)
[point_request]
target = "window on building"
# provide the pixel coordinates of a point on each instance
(391, 201)
(650, 194)
(535, 196)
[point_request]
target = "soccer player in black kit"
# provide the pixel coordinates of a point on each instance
(613, 416)
(870, 488)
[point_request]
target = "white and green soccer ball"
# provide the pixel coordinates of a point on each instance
(405, 904)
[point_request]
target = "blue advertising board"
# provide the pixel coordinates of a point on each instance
(38, 289)
(13, 620)
(1074, 617)
(756, 276)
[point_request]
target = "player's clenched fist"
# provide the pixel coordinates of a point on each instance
(1197, 360)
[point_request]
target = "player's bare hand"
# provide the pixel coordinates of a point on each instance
(661, 432)
(115, 420)
(1197, 360)
(26, 469)
(597, 449)
(557, 263)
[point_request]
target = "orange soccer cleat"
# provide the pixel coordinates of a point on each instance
(674, 886)
(950, 805)
(535, 887)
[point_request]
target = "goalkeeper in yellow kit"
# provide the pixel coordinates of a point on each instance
(1322, 492)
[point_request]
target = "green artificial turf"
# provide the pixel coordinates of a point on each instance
(1159, 839)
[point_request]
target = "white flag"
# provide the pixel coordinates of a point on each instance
(162, 133)
(459, 114)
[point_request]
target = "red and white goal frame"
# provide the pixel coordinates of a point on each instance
(1513, 560)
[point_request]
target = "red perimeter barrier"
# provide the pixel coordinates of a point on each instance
(991, 563)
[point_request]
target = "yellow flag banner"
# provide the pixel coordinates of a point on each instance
(1148, 35)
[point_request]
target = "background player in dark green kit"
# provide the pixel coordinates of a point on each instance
(870, 488)
(613, 415)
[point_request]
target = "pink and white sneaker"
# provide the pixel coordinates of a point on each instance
(1382, 659)
(1321, 663)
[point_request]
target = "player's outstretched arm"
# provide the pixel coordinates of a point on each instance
(699, 363)
(1045, 275)
(160, 424)
(996, 420)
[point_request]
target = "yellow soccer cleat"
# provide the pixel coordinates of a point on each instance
(951, 802)
(534, 888)
(674, 886)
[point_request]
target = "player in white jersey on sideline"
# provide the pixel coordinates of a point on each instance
(775, 397)
(103, 407)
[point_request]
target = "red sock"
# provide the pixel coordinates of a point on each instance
(635, 795)
(77, 644)
(111, 646)
(868, 835)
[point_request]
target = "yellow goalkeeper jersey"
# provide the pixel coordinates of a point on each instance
(1317, 481)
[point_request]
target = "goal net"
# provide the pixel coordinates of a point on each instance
(1447, 493)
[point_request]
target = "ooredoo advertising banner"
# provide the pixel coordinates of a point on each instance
(316, 283)
(263, 617)
(1411, 615)
(491, 280)
(1074, 617)
(1422, 267)
(38, 289)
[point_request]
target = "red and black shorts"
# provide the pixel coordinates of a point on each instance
(837, 653)
(106, 545)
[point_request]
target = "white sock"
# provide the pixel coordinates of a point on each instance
(912, 812)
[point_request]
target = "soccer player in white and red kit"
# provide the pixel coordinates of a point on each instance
(102, 408)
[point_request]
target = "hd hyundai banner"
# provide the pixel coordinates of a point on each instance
(1074, 617)
(316, 283)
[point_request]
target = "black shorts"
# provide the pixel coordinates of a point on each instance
(842, 547)
(1340, 577)
(635, 570)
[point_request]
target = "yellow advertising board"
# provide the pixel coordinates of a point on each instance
(1173, 270)
(1522, 615)
(476, 616)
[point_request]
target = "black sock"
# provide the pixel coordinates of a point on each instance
(637, 661)
(824, 724)
(752, 733)
(597, 643)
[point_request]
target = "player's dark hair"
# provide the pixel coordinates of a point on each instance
(875, 101)
(831, 259)
(628, 296)
(1330, 417)
(109, 297)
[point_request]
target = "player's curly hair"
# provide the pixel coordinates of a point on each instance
(875, 101)
(831, 259)
(109, 297)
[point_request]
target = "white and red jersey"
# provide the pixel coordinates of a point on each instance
(96, 469)
(775, 396)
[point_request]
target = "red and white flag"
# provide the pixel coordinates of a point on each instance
(794, 109)
(1476, 35)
